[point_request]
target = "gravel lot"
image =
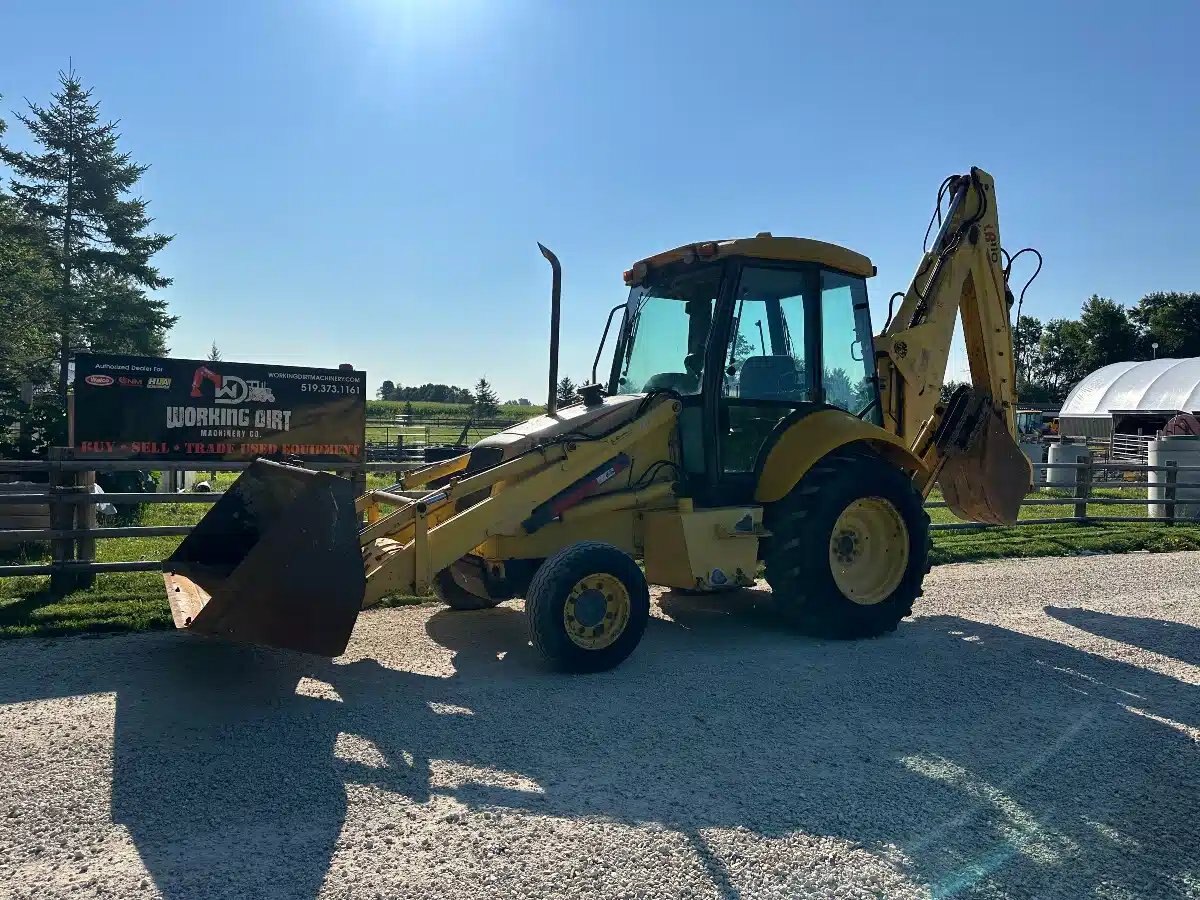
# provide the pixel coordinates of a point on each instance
(1034, 733)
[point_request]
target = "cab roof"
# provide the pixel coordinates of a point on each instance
(766, 246)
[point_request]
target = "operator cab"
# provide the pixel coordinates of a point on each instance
(752, 334)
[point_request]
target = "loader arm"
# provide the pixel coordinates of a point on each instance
(969, 443)
(426, 531)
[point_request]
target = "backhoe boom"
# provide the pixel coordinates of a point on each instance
(970, 442)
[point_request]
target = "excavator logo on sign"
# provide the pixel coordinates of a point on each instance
(229, 389)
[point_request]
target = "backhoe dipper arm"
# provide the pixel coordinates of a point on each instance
(963, 270)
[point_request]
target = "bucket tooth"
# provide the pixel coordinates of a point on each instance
(276, 561)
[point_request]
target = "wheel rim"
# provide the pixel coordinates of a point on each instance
(596, 611)
(868, 550)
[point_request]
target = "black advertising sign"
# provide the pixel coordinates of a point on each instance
(142, 407)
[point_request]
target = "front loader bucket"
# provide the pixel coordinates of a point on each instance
(276, 561)
(987, 481)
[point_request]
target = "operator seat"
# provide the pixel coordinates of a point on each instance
(770, 378)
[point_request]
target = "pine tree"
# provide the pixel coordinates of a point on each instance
(214, 353)
(27, 346)
(486, 403)
(566, 391)
(27, 339)
(76, 187)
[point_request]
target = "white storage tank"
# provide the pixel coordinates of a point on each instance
(1066, 453)
(1035, 452)
(1183, 450)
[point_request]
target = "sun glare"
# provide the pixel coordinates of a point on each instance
(413, 25)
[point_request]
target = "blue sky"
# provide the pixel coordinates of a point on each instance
(365, 181)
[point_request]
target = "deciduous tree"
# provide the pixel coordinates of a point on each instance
(1026, 340)
(1108, 334)
(1170, 319)
(1063, 356)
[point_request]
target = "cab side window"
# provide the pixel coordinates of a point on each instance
(765, 357)
(847, 354)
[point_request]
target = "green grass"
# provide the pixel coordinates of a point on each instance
(972, 545)
(124, 602)
(136, 601)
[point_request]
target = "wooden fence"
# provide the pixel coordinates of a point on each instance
(74, 529)
(1098, 473)
(72, 502)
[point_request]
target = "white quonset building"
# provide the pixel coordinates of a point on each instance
(1131, 398)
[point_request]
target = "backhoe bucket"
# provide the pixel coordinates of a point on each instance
(276, 561)
(986, 481)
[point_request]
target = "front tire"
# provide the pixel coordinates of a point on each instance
(587, 607)
(849, 547)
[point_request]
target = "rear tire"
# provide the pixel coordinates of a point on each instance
(455, 596)
(587, 607)
(849, 547)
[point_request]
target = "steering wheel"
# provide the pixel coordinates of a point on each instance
(790, 384)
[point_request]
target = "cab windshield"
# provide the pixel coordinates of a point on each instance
(667, 320)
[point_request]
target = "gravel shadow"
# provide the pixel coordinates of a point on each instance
(1173, 639)
(992, 762)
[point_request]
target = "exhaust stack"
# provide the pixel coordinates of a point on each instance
(555, 315)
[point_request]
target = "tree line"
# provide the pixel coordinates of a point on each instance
(76, 245)
(427, 393)
(482, 401)
(1052, 357)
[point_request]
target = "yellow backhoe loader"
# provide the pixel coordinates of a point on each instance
(750, 417)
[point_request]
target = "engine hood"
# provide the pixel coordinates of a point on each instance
(578, 419)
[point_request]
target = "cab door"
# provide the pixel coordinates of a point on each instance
(766, 369)
(797, 339)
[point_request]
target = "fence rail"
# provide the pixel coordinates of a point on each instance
(1129, 446)
(413, 434)
(74, 528)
